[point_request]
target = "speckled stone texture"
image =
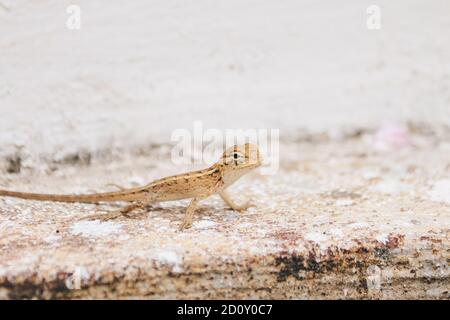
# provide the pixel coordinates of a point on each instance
(341, 219)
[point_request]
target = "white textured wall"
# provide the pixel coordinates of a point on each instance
(138, 69)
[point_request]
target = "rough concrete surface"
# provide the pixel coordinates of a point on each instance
(341, 219)
(360, 207)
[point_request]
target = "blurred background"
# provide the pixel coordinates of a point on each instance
(135, 71)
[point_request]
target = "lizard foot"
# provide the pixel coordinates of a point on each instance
(186, 224)
(244, 207)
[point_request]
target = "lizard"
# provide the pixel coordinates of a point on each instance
(195, 185)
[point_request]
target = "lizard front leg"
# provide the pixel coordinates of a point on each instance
(188, 216)
(231, 203)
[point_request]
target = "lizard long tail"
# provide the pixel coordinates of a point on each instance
(125, 195)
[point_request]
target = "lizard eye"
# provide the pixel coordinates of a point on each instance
(234, 157)
(237, 155)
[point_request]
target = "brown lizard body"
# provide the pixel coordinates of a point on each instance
(196, 185)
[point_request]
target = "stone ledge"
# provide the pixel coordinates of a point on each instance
(339, 220)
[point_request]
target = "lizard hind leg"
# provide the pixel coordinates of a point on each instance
(117, 213)
(116, 186)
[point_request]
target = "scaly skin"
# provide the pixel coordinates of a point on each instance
(196, 185)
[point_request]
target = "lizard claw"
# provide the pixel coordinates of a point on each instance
(111, 216)
(102, 216)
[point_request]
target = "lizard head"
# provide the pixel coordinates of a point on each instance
(238, 160)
